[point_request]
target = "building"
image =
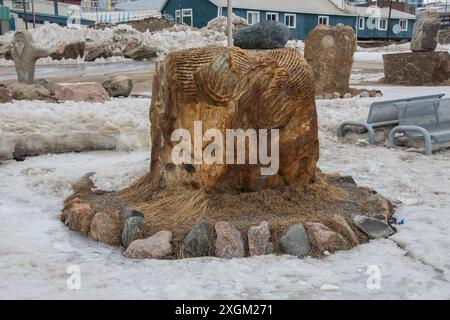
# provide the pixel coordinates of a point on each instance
(5, 17)
(301, 16)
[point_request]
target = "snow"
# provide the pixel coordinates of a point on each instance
(120, 123)
(414, 264)
(37, 249)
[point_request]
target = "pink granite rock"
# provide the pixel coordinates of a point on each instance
(156, 247)
(87, 92)
(229, 243)
(324, 239)
(345, 227)
(105, 229)
(259, 240)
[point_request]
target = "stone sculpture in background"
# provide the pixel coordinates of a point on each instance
(329, 51)
(25, 55)
(426, 30)
(423, 66)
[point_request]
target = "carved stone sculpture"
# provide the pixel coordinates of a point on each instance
(425, 33)
(330, 52)
(25, 55)
(229, 88)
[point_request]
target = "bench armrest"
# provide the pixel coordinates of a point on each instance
(423, 131)
(368, 127)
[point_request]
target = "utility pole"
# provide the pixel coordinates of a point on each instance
(389, 21)
(230, 23)
(25, 14)
(34, 14)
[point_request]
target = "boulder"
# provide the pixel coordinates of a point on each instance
(324, 239)
(50, 86)
(295, 241)
(87, 92)
(93, 52)
(425, 33)
(105, 229)
(132, 230)
(5, 95)
(417, 68)
(157, 246)
(329, 50)
(228, 243)
(118, 86)
(141, 53)
(198, 241)
(227, 89)
(72, 50)
(264, 35)
(345, 229)
(22, 91)
(374, 228)
(259, 240)
(78, 217)
(126, 213)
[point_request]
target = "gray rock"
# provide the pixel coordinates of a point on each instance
(295, 241)
(263, 35)
(198, 241)
(374, 228)
(126, 213)
(141, 53)
(259, 240)
(5, 95)
(22, 91)
(131, 229)
(52, 87)
(118, 86)
(425, 32)
(93, 52)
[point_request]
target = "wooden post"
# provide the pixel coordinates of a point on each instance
(230, 23)
(25, 14)
(34, 14)
(389, 21)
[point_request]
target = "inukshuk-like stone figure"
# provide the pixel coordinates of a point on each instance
(229, 88)
(329, 51)
(25, 55)
(426, 30)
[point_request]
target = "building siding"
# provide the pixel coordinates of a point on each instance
(204, 11)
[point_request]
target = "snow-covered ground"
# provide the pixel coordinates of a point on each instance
(37, 249)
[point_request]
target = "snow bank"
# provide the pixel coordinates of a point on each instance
(34, 127)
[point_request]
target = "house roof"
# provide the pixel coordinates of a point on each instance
(379, 12)
(300, 6)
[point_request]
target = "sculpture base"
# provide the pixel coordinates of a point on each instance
(417, 68)
(326, 208)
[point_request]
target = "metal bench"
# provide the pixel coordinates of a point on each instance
(381, 114)
(427, 120)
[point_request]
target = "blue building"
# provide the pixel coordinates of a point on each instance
(301, 16)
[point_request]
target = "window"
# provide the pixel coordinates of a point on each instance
(383, 24)
(187, 17)
(252, 17)
(361, 23)
(272, 16)
(18, 4)
(404, 25)
(324, 20)
(290, 20)
(178, 15)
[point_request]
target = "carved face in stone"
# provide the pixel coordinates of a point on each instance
(21, 40)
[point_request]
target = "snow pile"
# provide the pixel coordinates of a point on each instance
(220, 24)
(39, 127)
(50, 36)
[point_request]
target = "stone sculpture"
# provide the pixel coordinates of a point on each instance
(426, 30)
(329, 51)
(25, 55)
(229, 88)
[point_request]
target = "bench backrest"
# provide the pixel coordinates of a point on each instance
(387, 112)
(425, 113)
